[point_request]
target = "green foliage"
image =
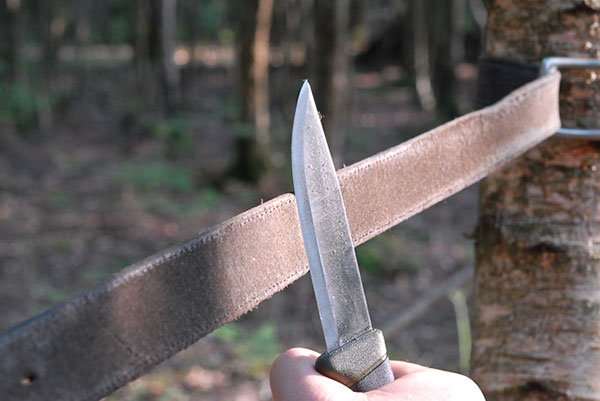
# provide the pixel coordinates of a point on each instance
(55, 295)
(244, 130)
(227, 110)
(155, 176)
(176, 133)
(118, 28)
(20, 106)
(196, 203)
(59, 199)
(98, 273)
(62, 245)
(226, 36)
(256, 349)
(206, 20)
(253, 159)
(207, 198)
(385, 255)
(229, 333)
(261, 348)
(167, 189)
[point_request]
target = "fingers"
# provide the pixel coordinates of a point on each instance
(422, 383)
(401, 368)
(293, 378)
(292, 366)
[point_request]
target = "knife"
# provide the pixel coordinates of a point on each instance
(356, 354)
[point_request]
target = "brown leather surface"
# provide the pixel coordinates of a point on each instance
(88, 346)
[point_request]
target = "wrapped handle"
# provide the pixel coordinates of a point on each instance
(361, 364)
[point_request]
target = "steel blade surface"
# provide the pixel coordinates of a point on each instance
(333, 266)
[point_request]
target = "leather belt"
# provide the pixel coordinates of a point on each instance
(498, 76)
(90, 345)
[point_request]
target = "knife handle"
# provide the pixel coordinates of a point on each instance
(361, 363)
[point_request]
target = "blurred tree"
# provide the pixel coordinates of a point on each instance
(358, 16)
(169, 70)
(537, 315)
(49, 25)
(253, 134)
(141, 38)
(331, 69)
(427, 39)
(422, 55)
(391, 43)
(9, 46)
(52, 19)
(191, 16)
(153, 29)
(154, 42)
(82, 11)
(447, 44)
(437, 49)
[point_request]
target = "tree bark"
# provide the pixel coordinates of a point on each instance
(537, 313)
(253, 142)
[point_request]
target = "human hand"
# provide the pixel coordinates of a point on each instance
(293, 378)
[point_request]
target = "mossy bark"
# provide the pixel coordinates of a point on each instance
(537, 313)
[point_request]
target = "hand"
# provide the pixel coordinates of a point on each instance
(293, 378)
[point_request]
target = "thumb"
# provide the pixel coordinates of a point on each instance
(293, 378)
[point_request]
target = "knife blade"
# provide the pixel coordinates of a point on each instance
(356, 354)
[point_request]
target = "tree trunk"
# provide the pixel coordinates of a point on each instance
(9, 46)
(146, 47)
(261, 52)
(446, 53)
(192, 11)
(83, 23)
(537, 314)
(169, 70)
(357, 16)
(422, 57)
(331, 69)
(51, 16)
(253, 140)
(155, 29)
(54, 22)
(140, 43)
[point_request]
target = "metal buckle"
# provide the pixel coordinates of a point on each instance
(550, 64)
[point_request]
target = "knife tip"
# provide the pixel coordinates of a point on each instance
(305, 90)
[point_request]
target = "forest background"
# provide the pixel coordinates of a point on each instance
(129, 126)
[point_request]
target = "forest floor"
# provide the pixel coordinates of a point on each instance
(105, 183)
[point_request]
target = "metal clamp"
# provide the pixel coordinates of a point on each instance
(550, 64)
